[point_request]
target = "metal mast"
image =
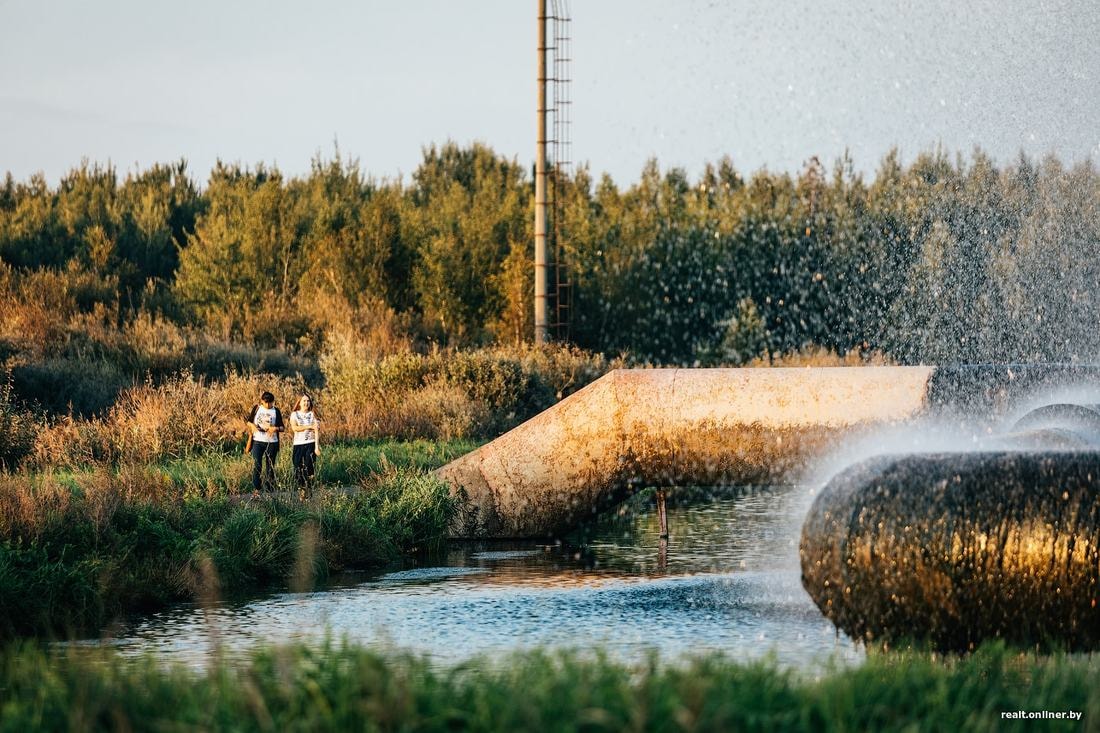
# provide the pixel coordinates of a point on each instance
(560, 163)
(552, 161)
(541, 310)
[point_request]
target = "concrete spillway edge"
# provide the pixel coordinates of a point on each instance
(672, 427)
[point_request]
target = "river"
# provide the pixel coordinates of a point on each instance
(728, 581)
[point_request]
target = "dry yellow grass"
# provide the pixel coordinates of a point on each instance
(819, 356)
(184, 415)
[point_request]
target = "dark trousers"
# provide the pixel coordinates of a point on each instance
(305, 463)
(263, 462)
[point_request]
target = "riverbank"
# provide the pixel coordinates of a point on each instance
(81, 548)
(339, 687)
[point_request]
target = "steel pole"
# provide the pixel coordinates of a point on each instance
(542, 326)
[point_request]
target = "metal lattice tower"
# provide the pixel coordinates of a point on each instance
(560, 164)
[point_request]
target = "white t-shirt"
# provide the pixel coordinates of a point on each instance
(264, 419)
(304, 418)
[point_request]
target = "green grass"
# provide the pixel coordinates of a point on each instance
(343, 464)
(79, 549)
(340, 464)
(340, 687)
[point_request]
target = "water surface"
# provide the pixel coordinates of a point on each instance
(728, 581)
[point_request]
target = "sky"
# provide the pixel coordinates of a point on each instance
(769, 83)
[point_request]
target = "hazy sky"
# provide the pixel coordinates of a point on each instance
(768, 82)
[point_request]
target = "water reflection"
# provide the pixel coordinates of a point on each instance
(728, 581)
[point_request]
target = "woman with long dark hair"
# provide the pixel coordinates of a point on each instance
(305, 426)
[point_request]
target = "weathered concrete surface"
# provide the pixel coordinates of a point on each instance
(671, 427)
(957, 548)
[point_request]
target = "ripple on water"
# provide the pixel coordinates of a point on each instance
(422, 574)
(505, 554)
(727, 583)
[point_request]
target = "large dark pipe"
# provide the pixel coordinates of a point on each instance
(957, 548)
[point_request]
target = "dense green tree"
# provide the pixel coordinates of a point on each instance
(159, 208)
(355, 241)
(470, 211)
(240, 269)
(945, 259)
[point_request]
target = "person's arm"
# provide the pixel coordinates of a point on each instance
(251, 429)
(295, 426)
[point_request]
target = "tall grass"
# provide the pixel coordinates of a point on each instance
(340, 687)
(441, 395)
(183, 416)
(20, 430)
(819, 356)
(447, 394)
(79, 549)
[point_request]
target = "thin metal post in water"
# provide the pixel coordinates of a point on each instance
(541, 311)
(662, 514)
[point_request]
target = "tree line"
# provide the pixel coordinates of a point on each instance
(947, 258)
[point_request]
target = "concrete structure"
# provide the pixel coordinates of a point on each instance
(669, 427)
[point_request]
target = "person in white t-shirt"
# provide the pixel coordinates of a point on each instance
(305, 426)
(266, 422)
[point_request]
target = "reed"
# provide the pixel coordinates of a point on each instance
(79, 549)
(343, 687)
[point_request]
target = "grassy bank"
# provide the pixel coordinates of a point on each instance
(348, 688)
(346, 463)
(80, 548)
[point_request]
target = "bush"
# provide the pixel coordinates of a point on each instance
(186, 415)
(70, 385)
(496, 382)
(20, 430)
(39, 309)
(160, 349)
(446, 394)
(440, 395)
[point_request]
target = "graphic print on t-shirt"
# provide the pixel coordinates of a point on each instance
(264, 419)
(305, 436)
